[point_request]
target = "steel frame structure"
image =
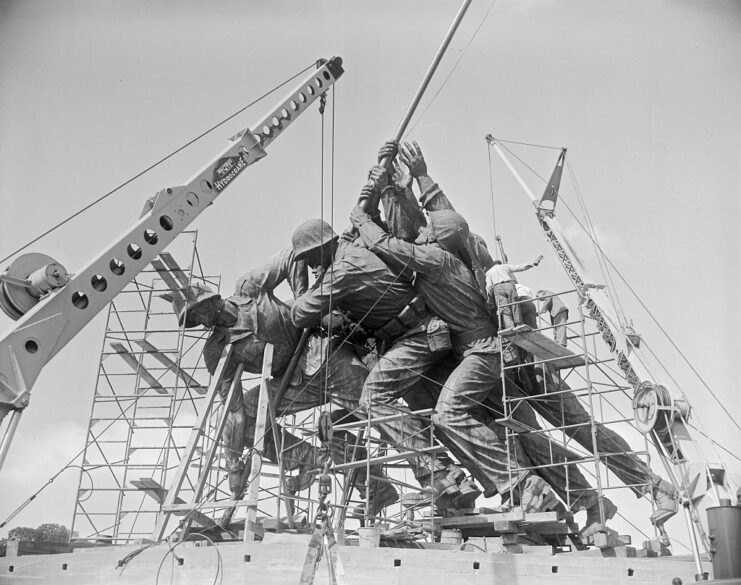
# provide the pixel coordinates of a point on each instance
(150, 384)
(600, 385)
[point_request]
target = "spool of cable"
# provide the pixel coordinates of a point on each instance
(27, 280)
(648, 403)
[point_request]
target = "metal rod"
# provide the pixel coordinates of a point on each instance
(428, 76)
(15, 418)
(695, 546)
(385, 162)
(514, 172)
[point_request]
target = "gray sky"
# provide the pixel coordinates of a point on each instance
(644, 94)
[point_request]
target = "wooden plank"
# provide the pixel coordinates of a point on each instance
(152, 350)
(152, 488)
(175, 268)
(506, 526)
(253, 491)
(387, 458)
(514, 425)
(136, 365)
(543, 347)
(168, 279)
(158, 493)
(489, 519)
(196, 431)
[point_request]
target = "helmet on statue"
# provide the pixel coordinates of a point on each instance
(311, 235)
(451, 229)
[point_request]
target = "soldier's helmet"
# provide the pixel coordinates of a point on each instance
(187, 309)
(310, 235)
(451, 229)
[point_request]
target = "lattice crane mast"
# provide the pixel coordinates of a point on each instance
(657, 413)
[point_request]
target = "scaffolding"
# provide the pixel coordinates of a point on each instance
(577, 394)
(153, 444)
(150, 386)
(355, 445)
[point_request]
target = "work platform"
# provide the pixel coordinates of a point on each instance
(563, 404)
(545, 349)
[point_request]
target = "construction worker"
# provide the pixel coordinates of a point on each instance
(528, 310)
(500, 283)
(249, 320)
(383, 302)
(559, 313)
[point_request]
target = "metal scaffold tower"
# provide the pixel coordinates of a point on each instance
(149, 390)
(573, 397)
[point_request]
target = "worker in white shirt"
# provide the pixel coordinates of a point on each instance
(500, 283)
(559, 313)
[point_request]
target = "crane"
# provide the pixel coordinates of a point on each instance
(657, 412)
(52, 307)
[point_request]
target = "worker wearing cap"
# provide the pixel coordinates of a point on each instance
(384, 303)
(559, 313)
(528, 310)
(500, 283)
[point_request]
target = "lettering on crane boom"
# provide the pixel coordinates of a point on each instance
(226, 171)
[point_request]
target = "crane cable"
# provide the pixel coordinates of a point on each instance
(601, 252)
(491, 191)
(640, 301)
(152, 166)
(595, 243)
(452, 70)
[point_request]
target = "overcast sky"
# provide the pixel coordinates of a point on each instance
(645, 94)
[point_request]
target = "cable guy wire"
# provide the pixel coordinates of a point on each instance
(149, 168)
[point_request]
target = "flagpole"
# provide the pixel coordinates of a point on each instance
(428, 76)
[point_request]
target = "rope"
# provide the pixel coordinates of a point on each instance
(491, 190)
(661, 328)
(593, 234)
(529, 144)
(640, 301)
(149, 168)
(714, 442)
(69, 465)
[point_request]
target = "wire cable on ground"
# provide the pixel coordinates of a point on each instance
(149, 168)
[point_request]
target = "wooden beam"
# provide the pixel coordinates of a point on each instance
(152, 350)
(175, 268)
(253, 489)
(137, 366)
(168, 279)
(541, 346)
(153, 489)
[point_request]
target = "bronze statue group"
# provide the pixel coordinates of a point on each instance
(403, 316)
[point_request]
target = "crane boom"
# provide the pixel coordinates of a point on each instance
(42, 332)
(657, 413)
(628, 354)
